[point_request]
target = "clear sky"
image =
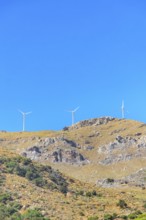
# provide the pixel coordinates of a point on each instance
(56, 55)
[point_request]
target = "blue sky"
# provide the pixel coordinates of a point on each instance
(58, 55)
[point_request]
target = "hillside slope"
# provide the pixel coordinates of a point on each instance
(78, 172)
(94, 149)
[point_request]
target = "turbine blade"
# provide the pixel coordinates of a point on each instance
(68, 111)
(76, 109)
(27, 113)
(20, 111)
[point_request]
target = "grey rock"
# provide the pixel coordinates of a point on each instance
(92, 122)
(120, 139)
(56, 150)
(117, 150)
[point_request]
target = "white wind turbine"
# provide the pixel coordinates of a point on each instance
(123, 109)
(73, 114)
(24, 117)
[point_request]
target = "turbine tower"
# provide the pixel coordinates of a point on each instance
(123, 109)
(73, 114)
(23, 118)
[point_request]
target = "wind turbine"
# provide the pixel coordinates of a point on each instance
(24, 117)
(123, 109)
(73, 114)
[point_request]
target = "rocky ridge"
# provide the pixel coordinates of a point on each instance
(91, 122)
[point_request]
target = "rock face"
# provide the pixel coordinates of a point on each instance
(137, 179)
(56, 150)
(123, 149)
(92, 122)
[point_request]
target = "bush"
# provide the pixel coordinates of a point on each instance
(40, 182)
(115, 215)
(65, 128)
(33, 215)
(20, 171)
(81, 213)
(141, 217)
(108, 217)
(134, 215)
(26, 161)
(93, 218)
(125, 217)
(16, 216)
(122, 204)
(32, 174)
(7, 211)
(80, 193)
(10, 166)
(63, 189)
(16, 205)
(24, 167)
(88, 194)
(144, 205)
(94, 193)
(110, 180)
(5, 197)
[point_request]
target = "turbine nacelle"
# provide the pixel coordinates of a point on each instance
(74, 109)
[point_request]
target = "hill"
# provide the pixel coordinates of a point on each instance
(94, 168)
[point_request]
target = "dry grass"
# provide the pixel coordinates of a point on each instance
(85, 136)
(56, 205)
(60, 207)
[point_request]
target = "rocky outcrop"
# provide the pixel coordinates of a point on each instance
(136, 179)
(123, 149)
(56, 150)
(119, 143)
(92, 122)
(110, 183)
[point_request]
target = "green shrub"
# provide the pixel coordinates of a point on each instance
(16, 216)
(16, 205)
(80, 193)
(38, 174)
(122, 204)
(115, 215)
(26, 161)
(52, 186)
(108, 217)
(99, 194)
(33, 215)
(5, 197)
(63, 189)
(10, 166)
(93, 218)
(141, 217)
(20, 171)
(110, 180)
(134, 215)
(7, 211)
(32, 174)
(88, 194)
(125, 217)
(40, 182)
(94, 193)
(81, 213)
